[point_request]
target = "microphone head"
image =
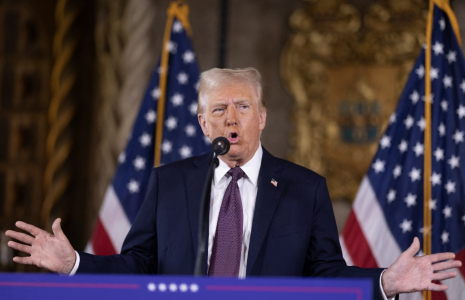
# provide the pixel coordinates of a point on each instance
(220, 145)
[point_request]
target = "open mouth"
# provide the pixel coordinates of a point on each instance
(233, 137)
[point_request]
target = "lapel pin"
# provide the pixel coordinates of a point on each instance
(274, 182)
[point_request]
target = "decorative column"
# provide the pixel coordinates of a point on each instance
(126, 55)
(62, 107)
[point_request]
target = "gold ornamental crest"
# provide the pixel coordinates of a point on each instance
(346, 70)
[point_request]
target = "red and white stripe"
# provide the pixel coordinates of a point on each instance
(367, 239)
(367, 242)
(111, 228)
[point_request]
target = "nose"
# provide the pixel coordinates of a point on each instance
(232, 114)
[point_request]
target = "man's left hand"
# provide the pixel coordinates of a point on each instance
(412, 274)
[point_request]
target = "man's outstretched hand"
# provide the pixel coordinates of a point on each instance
(412, 274)
(49, 251)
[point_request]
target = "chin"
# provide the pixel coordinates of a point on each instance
(234, 153)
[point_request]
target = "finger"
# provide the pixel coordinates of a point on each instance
(444, 275)
(29, 228)
(414, 247)
(440, 256)
(56, 228)
(450, 264)
(437, 287)
(23, 260)
(20, 247)
(22, 237)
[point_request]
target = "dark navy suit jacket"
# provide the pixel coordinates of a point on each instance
(293, 232)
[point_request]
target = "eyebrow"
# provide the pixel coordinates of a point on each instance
(238, 101)
(225, 102)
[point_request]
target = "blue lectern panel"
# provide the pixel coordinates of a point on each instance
(86, 287)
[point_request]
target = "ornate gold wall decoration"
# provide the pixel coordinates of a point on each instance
(346, 70)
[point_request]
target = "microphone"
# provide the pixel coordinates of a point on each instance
(220, 145)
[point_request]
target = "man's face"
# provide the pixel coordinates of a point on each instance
(233, 113)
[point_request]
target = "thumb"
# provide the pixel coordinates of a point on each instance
(56, 228)
(414, 247)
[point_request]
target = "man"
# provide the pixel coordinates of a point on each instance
(275, 218)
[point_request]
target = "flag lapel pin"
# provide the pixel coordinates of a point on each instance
(274, 182)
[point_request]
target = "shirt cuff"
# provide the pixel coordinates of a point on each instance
(76, 264)
(381, 288)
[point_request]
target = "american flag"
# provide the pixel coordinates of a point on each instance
(388, 210)
(182, 138)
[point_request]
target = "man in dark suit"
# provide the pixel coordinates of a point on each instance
(268, 217)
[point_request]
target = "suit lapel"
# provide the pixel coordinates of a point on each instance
(195, 181)
(265, 206)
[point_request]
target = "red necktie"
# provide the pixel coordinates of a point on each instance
(227, 245)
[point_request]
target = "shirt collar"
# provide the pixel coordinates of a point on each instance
(251, 168)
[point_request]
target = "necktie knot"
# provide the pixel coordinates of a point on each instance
(236, 173)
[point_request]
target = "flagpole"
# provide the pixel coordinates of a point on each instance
(427, 222)
(427, 156)
(179, 10)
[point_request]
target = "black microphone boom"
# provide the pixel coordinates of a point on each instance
(220, 145)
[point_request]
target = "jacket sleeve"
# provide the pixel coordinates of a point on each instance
(139, 252)
(324, 256)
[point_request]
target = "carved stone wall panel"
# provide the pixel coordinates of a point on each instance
(25, 62)
(31, 90)
(27, 138)
(357, 109)
(346, 70)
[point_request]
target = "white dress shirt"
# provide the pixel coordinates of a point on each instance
(248, 189)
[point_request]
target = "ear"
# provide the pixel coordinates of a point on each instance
(203, 124)
(261, 119)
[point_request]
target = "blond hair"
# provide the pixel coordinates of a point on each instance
(213, 79)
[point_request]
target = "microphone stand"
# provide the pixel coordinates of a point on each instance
(204, 214)
(220, 146)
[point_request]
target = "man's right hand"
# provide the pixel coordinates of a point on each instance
(50, 251)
